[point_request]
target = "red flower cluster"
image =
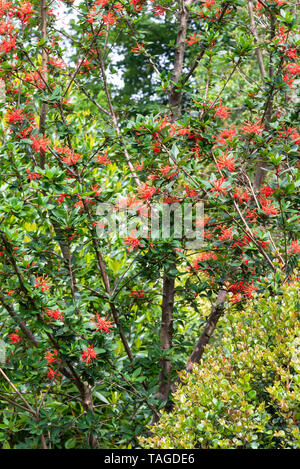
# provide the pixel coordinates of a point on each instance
(33, 175)
(40, 143)
(14, 117)
(68, 156)
(14, 338)
(241, 195)
(218, 187)
(137, 294)
(226, 136)
(240, 290)
(25, 11)
(89, 355)
(193, 38)
(138, 49)
(103, 325)
(51, 357)
(55, 315)
(203, 257)
(102, 159)
(53, 375)
(226, 161)
(266, 204)
(222, 112)
(146, 192)
(132, 241)
(256, 128)
(294, 248)
(42, 282)
(190, 192)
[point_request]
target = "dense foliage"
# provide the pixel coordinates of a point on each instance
(245, 393)
(134, 104)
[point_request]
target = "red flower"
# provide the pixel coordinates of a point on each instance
(137, 294)
(240, 194)
(218, 187)
(190, 192)
(42, 282)
(132, 241)
(138, 49)
(236, 298)
(91, 15)
(193, 39)
(291, 52)
(35, 78)
(14, 338)
(226, 136)
(252, 215)
(118, 6)
(160, 11)
(168, 172)
(40, 143)
(96, 189)
(6, 27)
(53, 375)
(25, 11)
(156, 147)
(109, 18)
(102, 159)
(222, 112)
(55, 315)
(268, 208)
(249, 289)
(7, 45)
(240, 288)
(71, 159)
(203, 257)
(61, 198)
(256, 128)
(102, 3)
(226, 161)
(170, 200)
(293, 69)
(4, 6)
(103, 324)
(294, 248)
(14, 117)
(146, 192)
(226, 234)
(33, 175)
(267, 191)
(89, 355)
(51, 357)
(68, 156)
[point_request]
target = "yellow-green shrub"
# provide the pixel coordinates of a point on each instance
(245, 392)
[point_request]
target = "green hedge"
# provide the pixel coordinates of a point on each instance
(245, 392)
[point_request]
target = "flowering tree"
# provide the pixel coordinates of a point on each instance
(80, 313)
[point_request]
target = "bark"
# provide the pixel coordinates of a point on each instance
(175, 100)
(175, 95)
(256, 40)
(216, 313)
(166, 331)
(261, 171)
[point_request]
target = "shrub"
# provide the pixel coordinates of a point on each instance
(245, 392)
